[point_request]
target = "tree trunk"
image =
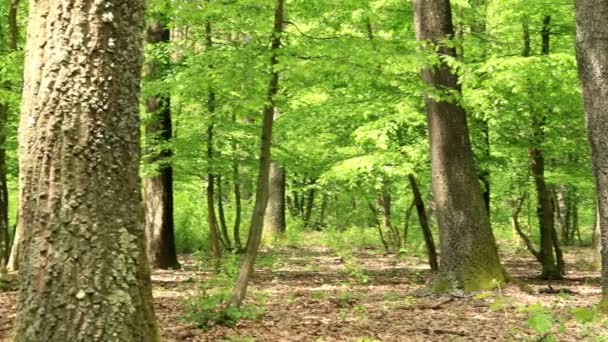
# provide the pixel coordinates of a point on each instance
(13, 32)
(85, 274)
(550, 262)
(261, 198)
(158, 189)
(4, 247)
(385, 204)
(406, 221)
(237, 195)
(222, 214)
(376, 222)
(431, 251)
(323, 211)
(274, 219)
(592, 55)
(214, 235)
(469, 257)
(516, 226)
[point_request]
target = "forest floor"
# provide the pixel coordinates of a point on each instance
(315, 294)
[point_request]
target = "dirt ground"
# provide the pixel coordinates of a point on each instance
(312, 294)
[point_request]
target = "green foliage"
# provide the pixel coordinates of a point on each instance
(209, 306)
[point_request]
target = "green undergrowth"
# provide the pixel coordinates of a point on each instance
(209, 305)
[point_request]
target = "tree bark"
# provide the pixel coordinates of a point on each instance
(158, 188)
(592, 55)
(261, 198)
(469, 257)
(85, 273)
(431, 250)
(274, 219)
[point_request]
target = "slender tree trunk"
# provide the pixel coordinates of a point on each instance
(214, 234)
(274, 219)
(4, 224)
(85, 274)
(592, 55)
(431, 251)
(406, 221)
(385, 204)
(516, 226)
(469, 257)
(323, 211)
(222, 214)
(237, 195)
(13, 32)
(377, 223)
(544, 210)
(261, 198)
(158, 189)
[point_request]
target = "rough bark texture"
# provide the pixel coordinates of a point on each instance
(274, 219)
(469, 257)
(431, 250)
(261, 196)
(158, 189)
(85, 274)
(592, 55)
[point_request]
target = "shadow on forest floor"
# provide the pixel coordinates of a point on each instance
(312, 294)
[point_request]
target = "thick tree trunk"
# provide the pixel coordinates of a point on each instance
(469, 257)
(261, 198)
(274, 219)
(85, 273)
(592, 55)
(431, 250)
(158, 189)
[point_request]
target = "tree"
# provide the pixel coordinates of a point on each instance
(431, 251)
(552, 263)
(84, 266)
(158, 188)
(13, 30)
(274, 219)
(261, 196)
(469, 256)
(592, 56)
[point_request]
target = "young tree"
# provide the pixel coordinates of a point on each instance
(13, 35)
(85, 275)
(469, 257)
(158, 188)
(261, 196)
(592, 56)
